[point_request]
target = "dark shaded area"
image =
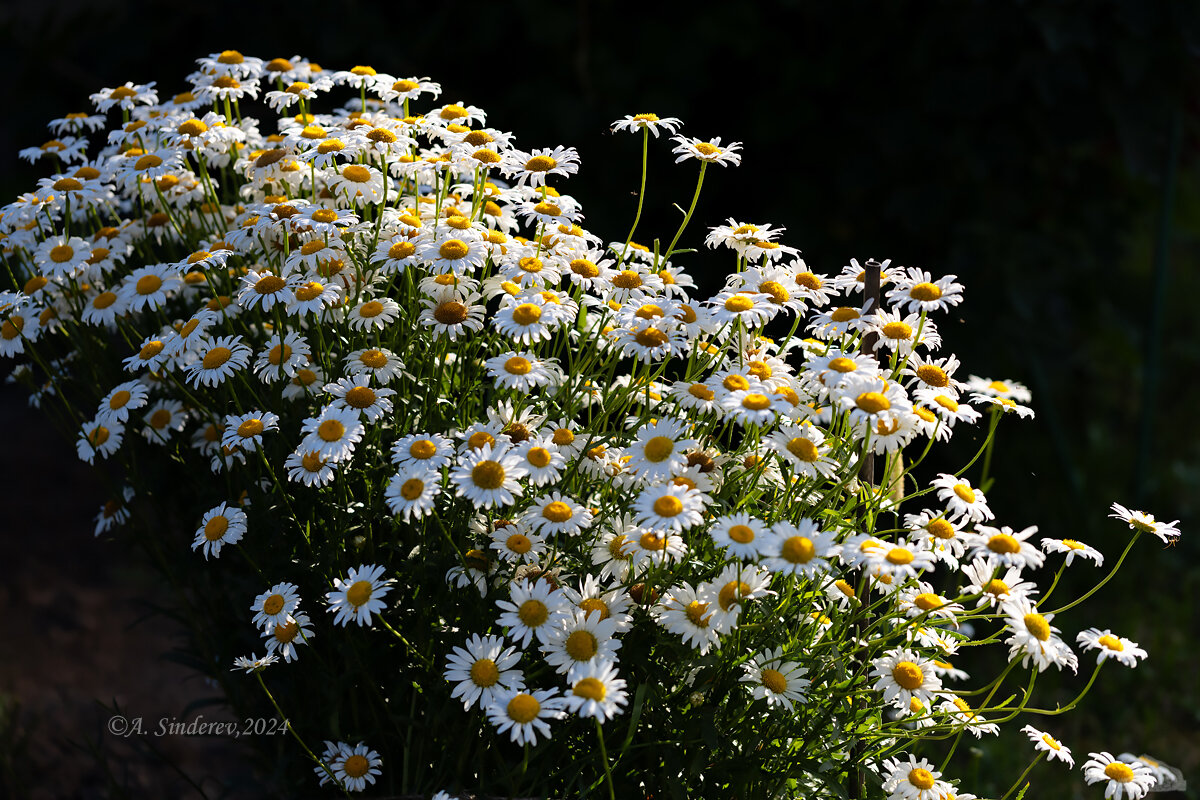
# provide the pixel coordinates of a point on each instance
(1026, 147)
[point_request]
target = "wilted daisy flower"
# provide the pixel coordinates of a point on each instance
(219, 526)
(1107, 644)
(1047, 744)
(1121, 779)
(359, 595)
(284, 639)
(1141, 521)
(276, 605)
(524, 714)
(777, 681)
(481, 669)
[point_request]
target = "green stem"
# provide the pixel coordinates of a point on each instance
(641, 192)
(1107, 577)
(688, 216)
(604, 760)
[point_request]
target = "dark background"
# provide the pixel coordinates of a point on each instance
(1044, 152)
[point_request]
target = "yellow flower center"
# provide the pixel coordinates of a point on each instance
(450, 312)
(1037, 625)
(1051, 741)
(651, 541)
(358, 594)
(523, 708)
(412, 488)
(582, 646)
(843, 314)
(216, 357)
(900, 556)
(701, 392)
(996, 587)
(872, 402)
(668, 506)
(372, 358)
(742, 534)
(921, 779)
(453, 249)
(1119, 772)
(356, 173)
(928, 601)
(273, 605)
(698, 613)
(148, 161)
(897, 330)
(148, 284)
(967, 495)
(798, 550)
(659, 449)
(739, 303)
(533, 613)
(1111, 642)
(844, 588)
(356, 766)
(627, 279)
(370, 309)
(1003, 544)
(933, 376)
(484, 673)
(756, 402)
(706, 149)
(540, 164)
(732, 594)
(250, 428)
(360, 397)
(488, 475)
(215, 528)
(594, 604)
(774, 681)
(526, 314)
(286, 633)
(908, 675)
(925, 292)
(803, 449)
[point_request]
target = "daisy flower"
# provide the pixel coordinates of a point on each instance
(646, 122)
(903, 675)
(777, 681)
(96, 438)
(1107, 644)
(265, 290)
(452, 317)
(668, 507)
(943, 537)
(753, 406)
(482, 668)
(1141, 521)
(803, 448)
(1073, 548)
(914, 779)
(149, 287)
(1047, 744)
(710, 151)
(383, 364)
(359, 595)
(219, 526)
(752, 309)
(333, 433)
(356, 767)
(1121, 779)
(593, 600)
(373, 314)
(580, 639)
(313, 297)
(1004, 547)
(971, 721)
(284, 639)
(354, 394)
(1034, 638)
(251, 664)
(523, 714)
(275, 606)
(411, 491)
(1005, 389)
(557, 513)
(734, 587)
(217, 359)
(916, 290)
(60, 257)
(308, 467)
(532, 168)
(522, 371)
(529, 321)
(596, 690)
(517, 544)
(660, 449)
(123, 398)
(488, 476)
(246, 430)
(690, 615)
(532, 609)
(961, 499)
(801, 549)
(431, 450)
(993, 589)
(742, 536)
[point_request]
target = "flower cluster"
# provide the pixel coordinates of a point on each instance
(544, 469)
